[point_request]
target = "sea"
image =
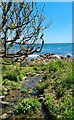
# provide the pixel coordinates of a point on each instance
(61, 49)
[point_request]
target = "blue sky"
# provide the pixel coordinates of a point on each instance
(61, 29)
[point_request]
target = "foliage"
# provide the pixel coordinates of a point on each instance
(50, 105)
(12, 72)
(27, 105)
(66, 108)
(59, 110)
(57, 86)
(11, 84)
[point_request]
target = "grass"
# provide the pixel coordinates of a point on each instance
(56, 85)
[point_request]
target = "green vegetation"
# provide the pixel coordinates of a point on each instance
(50, 105)
(28, 105)
(23, 89)
(59, 110)
(56, 85)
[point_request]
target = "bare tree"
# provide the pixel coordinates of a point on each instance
(21, 29)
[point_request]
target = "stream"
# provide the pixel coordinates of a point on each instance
(15, 96)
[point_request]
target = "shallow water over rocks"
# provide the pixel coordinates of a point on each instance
(15, 96)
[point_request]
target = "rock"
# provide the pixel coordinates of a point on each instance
(4, 103)
(39, 59)
(32, 74)
(41, 99)
(4, 116)
(41, 96)
(40, 80)
(9, 112)
(62, 57)
(18, 88)
(3, 90)
(24, 78)
(2, 97)
(41, 55)
(68, 56)
(52, 54)
(56, 56)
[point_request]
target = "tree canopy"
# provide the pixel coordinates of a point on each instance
(21, 29)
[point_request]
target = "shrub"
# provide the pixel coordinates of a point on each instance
(27, 105)
(66, 108)
(50, 105)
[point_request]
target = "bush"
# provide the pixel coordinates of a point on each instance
(27, 105)
(50, 105)
(66, 108)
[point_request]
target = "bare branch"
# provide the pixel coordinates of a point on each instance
(22, 29)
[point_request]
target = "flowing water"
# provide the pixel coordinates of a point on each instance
(15, 96)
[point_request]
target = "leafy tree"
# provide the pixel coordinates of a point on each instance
(21, 27)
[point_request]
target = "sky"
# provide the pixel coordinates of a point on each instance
(60, 13)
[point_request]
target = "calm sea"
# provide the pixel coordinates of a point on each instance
(62, 49)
